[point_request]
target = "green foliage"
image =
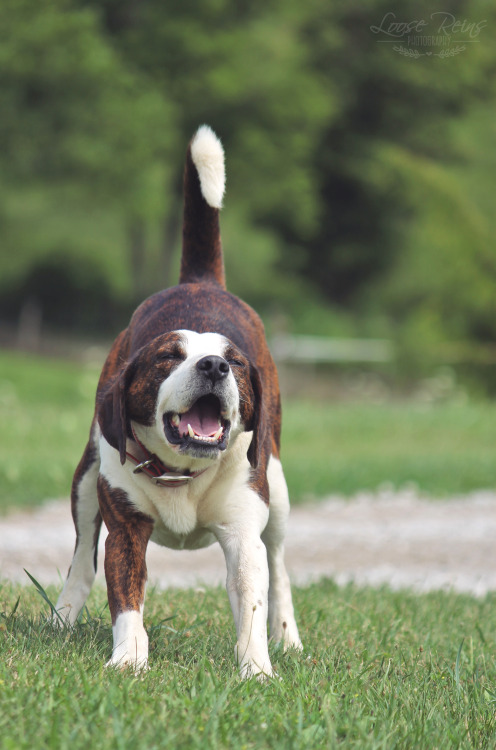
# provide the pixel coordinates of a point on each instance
(381, 97)
(358, 177)
(77, 287)
(66, 99)
(327, 448)
(442, 286)
(81, 131)
(380, 669)
(244, 70)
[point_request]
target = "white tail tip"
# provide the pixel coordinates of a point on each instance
(208, 157)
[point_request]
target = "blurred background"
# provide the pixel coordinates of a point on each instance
(359, 215)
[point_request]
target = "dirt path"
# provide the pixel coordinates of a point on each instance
(394, 538)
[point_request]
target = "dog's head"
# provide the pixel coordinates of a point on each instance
(198, 392)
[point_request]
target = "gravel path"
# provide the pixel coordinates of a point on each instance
(390, 538)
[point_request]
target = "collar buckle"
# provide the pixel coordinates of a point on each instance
(166, 479)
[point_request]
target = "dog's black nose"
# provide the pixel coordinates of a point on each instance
(213, 367)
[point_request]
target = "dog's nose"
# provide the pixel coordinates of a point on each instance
(214, 368)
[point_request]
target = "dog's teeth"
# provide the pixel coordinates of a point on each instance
(191, 432)
(175, 420)
(205, 439)
(218, 434)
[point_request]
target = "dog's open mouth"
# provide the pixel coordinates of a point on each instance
(202, 426)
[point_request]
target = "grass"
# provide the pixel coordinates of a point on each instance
(446, 448)
(380, 670)
(46, 408)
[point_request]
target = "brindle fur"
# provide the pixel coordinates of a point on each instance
(142, 357)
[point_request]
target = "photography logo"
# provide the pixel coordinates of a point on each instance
(439, 35)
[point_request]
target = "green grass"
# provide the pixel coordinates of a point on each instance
(379, 670)
(343, 448)
(46, 408)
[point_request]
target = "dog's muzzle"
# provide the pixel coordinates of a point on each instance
(203, 429)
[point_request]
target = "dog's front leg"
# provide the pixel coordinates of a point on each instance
(247, 587)
(125, 571)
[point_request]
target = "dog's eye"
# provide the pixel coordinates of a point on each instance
(168, 356)
(236, 363)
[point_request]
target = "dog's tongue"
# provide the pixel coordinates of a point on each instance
(203, 418)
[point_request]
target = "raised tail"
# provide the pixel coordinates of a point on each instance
(204, 182)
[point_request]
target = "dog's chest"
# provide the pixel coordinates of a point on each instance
(196, 539)
(175, 513)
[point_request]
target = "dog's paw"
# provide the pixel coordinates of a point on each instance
(130, 653)
(61, 617)
(255, 668)
(286, 633)
(126, 661)
(130, 643)
(293, 644)
(250, 671)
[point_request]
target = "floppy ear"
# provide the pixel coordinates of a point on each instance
(112, 413)
(258, 420)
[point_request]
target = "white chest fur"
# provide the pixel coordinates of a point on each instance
(183, 515)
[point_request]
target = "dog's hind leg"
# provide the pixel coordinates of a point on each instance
(88, 521)
(281, 614)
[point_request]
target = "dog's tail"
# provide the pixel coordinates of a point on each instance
(204, 182)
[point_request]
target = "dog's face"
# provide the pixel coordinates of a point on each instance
(198, 392)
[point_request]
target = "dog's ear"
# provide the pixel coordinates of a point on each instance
(257, 423)
(112, 412)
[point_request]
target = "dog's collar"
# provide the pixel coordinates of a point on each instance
(161, 474)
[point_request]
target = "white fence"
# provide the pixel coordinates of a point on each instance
(287, 348)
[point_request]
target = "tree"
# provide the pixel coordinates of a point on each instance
(74, 115)
(242, 69)
(385, 98)
(332, 137)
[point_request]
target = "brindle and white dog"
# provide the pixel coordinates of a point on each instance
(184, 445)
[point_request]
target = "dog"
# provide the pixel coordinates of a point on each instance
(184, 446)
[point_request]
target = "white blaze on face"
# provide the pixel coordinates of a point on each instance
(202, 344)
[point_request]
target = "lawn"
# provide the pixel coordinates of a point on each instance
(46, 408)
(379, 670)
(444, 448)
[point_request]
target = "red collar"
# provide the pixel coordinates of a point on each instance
(158, 471)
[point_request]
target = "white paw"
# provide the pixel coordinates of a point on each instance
(130, 642)
(293, 642)
(254, 665)
(127, 661)
(250, 670)
(63, 616)
(287, 634)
